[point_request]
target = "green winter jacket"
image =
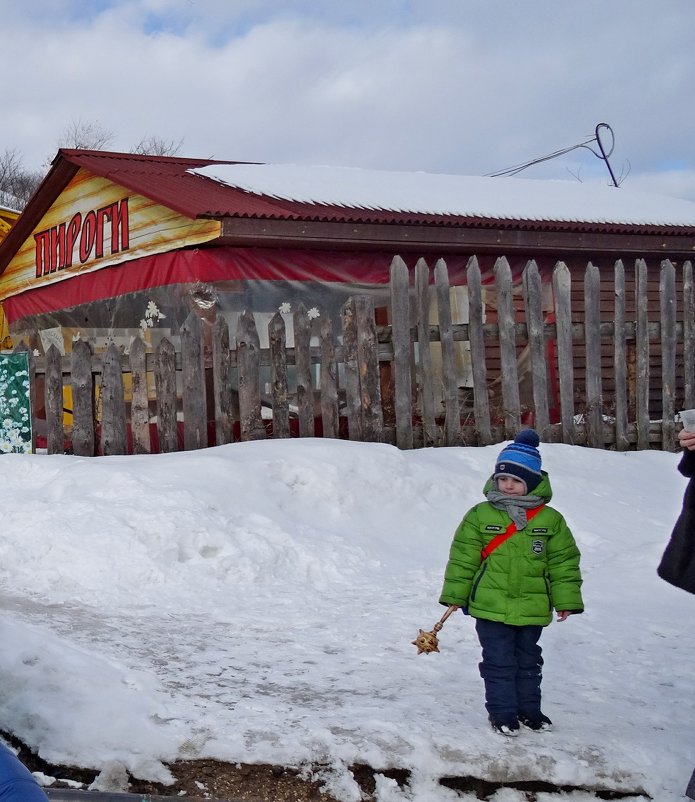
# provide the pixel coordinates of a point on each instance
(532, 572)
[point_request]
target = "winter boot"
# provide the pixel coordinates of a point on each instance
(508, 726)
(536, 722)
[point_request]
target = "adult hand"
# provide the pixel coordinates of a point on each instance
(563, 615)
(687, 439)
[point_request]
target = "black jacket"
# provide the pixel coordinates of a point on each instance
(677, 565)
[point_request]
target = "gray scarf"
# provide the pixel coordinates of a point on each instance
(514, 506)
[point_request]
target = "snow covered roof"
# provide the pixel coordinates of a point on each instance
(8, 203)
(456, 195)
(8, 216)
(275, 205)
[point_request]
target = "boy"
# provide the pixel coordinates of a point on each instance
(513, 559)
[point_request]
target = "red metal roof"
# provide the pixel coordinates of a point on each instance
(166, 180)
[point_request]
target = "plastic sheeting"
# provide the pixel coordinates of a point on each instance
(154, 295)
(208, 266)
(160, 311)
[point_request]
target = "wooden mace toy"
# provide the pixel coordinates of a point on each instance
(427, 642)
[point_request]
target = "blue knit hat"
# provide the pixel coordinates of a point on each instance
(521, 460)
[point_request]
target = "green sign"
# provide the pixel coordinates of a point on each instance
(15, 405)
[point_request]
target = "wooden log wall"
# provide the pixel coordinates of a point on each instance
(598, 377)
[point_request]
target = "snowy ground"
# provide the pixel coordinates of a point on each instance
(257, 602)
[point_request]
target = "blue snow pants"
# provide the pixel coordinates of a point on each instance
(16, 781)
(511, 669)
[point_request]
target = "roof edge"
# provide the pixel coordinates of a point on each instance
(60, 173)
(64, 166)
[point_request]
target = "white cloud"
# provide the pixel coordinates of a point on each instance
(441, 86)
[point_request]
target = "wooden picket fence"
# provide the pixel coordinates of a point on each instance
(374, 364)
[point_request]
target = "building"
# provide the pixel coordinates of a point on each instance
(113, 245)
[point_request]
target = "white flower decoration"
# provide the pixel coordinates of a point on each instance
(152, 313)
(313, 313)
(285, 308)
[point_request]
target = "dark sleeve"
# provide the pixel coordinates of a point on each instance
(677, 564)
(687, 467)
(687, 464)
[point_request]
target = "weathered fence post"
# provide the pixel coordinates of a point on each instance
(533, 300)
(249, 353)
(620, 360)
(195, 427)
(368, 369)
(481, 401)
(302, 361)
(402, 352)
(55, 436)
(593, 412)
(642, 352)
(452, 415)
(277, 339)
(165, 390)
(113, 419)
(222, 381)
(507, 339)
(139, 403)
(562, 290)
(422, 304)
(330, 414)
(82, 381)
(667, 296)
(353, 393)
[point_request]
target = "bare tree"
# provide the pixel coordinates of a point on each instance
(10, 167)
(84, 135)
(17, 184)
(156, 146)
(27, 183)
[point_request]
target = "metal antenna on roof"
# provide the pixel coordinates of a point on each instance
(596, 138)
(603, 155)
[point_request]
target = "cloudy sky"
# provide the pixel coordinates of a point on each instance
(454, 86)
